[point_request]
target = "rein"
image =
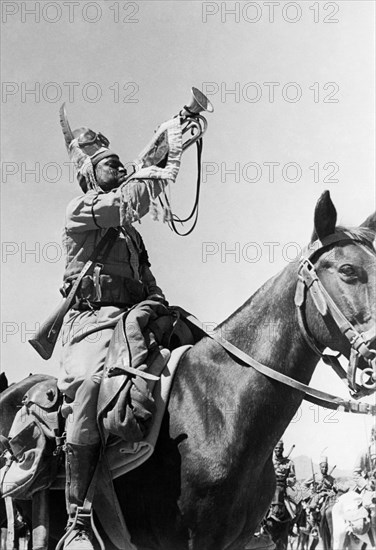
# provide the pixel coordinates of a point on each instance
(317, 397)
(309, 281)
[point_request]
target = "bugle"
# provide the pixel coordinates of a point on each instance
(195, 123)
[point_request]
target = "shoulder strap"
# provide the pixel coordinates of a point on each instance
(108, 239)
(45, 338)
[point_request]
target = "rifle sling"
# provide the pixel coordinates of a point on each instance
(108, 239)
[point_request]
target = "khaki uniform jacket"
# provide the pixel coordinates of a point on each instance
(89, 216)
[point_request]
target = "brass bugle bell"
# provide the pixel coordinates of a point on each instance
(195, 123)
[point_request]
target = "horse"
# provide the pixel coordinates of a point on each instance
(280, 520)
(307, 533)
(280, 529)
(210, 480)
(322, 519)
(326, 520)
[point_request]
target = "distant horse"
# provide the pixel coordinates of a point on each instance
(325, 524)
(308, 536)
(279, 520)
(211, 479)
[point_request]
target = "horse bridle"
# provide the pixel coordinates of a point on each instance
(309, 282)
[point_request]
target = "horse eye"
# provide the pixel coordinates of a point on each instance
(348, 270)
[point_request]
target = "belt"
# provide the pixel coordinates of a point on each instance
(82, 305)
(108, 290)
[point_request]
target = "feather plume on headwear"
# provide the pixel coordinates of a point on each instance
(81, 161)
(68, 134)
(83, 165)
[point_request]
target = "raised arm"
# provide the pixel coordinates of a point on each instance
(131, 201)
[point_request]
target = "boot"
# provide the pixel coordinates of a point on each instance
(81, 462)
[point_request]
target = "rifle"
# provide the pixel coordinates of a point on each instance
(332, 469)
(44, 340)
(290, 451)
(313, 477)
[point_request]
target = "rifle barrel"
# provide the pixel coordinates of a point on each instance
(290, 451)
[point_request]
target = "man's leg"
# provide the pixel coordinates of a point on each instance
(82, 453)
(86, 337)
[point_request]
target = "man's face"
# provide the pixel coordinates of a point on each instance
(110, 173)
(324, 468)
(279, 450)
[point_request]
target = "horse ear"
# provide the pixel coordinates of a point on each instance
(325, 217)
(370, 222)
(3, 382)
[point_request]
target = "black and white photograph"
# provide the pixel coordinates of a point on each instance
(188, 278)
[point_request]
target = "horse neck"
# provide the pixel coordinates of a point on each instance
(267, 329)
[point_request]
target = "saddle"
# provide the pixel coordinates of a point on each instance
(284, 504)
(33, 448)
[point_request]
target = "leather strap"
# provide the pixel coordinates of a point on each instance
(108, 238)
(85, 512)
(325, 305)
(331, 360)
(318, 397)
(309, 282)
(10, 522)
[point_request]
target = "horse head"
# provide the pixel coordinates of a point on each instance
(336, 295)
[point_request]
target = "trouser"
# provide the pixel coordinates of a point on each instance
(81, 414)
(86, 337)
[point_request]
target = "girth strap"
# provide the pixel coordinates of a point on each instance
(317, 397)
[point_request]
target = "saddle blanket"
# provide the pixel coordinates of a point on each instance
(122, 457)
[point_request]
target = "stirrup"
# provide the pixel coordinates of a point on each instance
(84, 514)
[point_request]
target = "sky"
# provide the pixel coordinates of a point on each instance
(292, 84)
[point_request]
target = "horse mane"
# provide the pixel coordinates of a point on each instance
(364, 234)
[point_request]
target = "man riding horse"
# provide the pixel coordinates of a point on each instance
(121, 278)
(323, 493)
(282, 510)
(322, 488)
(285, 477)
